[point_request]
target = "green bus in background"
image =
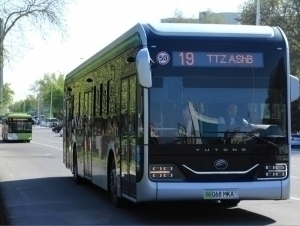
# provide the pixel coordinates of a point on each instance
(17, 127)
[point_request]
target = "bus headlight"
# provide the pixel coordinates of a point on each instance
(275, 171)
(165, 172)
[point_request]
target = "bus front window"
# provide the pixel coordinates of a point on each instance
(20, 125)
(192, 107)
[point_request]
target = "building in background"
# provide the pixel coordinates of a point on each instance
(207, 17)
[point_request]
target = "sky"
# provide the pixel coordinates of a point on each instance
(91, 25)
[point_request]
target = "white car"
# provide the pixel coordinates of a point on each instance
(61, 132)
(42, 123)
(295, 140)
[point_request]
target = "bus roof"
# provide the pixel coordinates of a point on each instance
(17, 115)
(140, 33)
(211, 30)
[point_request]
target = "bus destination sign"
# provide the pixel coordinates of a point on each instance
(217, 59)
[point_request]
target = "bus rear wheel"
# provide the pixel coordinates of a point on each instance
(113, 187)
(77, 179)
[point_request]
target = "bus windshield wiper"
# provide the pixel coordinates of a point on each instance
(261, 139)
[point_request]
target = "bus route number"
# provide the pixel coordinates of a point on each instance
(187, 58)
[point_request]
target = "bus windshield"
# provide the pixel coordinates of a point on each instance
(260, 102)
(17, 125)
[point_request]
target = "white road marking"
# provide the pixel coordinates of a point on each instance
(294, 177)
(47, 146)
(49, 139)
(295, 198)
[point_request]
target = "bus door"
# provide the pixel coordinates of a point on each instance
(128, 136)
(67, 133)
(87, 134)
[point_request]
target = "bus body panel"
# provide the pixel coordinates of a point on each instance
(285, 188)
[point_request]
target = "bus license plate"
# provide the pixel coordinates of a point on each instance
(220, 194)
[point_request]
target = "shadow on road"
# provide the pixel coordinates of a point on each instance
(58, 201)
(3, 213)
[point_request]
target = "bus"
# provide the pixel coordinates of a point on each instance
(17, 127)
(123, 127)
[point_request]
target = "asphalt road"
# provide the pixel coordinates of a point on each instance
(38, 190)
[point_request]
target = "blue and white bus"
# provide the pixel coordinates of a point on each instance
(123, 114)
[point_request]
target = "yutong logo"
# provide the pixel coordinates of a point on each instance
(221, 164)
(221, 149)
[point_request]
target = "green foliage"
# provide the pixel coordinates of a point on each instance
(282, 13)
(51, 85)
(8, 94)
(17, 106)
(207, 17)
(286, 15)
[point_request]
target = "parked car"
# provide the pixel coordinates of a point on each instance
(57, 128)
(295, 140)
(42, 123)
(61, 132)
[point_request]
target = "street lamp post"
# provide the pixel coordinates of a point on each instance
(51, 101)
(1, 60)
(38, 107)
(257, 12)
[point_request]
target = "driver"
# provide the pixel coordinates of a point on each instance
(231, 122)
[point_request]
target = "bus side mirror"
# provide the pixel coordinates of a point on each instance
(294, 85)
(143, 68)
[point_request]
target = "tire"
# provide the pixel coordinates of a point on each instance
(116, 201)
(77, 179)
(230, 203)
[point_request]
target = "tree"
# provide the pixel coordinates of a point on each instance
(30, 103)
(51, 85)
(27, 105)
(286, 15)
(179, 18)
(207, 17)
(21, 16)
(17, 17)
(282, 13)
(17, 106)
(8, 94)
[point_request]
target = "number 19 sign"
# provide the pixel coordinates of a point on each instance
(217, 59)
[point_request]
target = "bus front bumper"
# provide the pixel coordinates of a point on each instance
(173, 191)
